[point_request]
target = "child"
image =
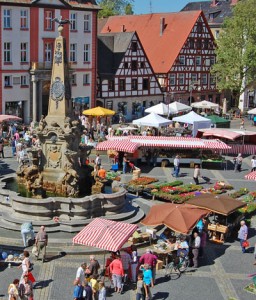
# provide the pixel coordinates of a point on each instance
(102, 291)
(95, 286)
(78, 290)
(140, 291)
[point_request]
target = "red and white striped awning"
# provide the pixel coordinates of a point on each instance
(171, 142)
(251, 176)
(122, 145)
(105, 234)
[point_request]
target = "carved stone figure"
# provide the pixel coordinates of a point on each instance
(54, 156)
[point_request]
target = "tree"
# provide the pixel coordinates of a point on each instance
(235, 66)
(115, 7)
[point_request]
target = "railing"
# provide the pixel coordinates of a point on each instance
(46, 65)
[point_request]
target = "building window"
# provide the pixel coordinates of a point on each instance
(23, 80)
(181, 79)
(206, 44)
(134, 65)
(7, 19)
(199, 28)
(198, 60)
(145, 84)
(212, 79)
(24, 19)
(7, 52)
(199, 44)
(204, 79)
(134, 46)
(217, 34)
(126, 65)
(212, 60)
(73, 21)
(48, 23)
(122, 84)
(48, 48)
(111, 85)
(193, 78)
(87, 22)
(73, 79)
(24, 52)
(7, 81)
(87, 53)
(86, 79)
(15, 80)
(172, 79)
(182, 60)
(191, 44)
(134, 84)
(142, 65)
(73, 53)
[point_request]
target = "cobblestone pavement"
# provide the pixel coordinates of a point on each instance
(222, 273)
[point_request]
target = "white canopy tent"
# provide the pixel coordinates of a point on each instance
(153, 120)
(177, 107)
(205, 104)
(160, 109)
(252, 111)
(196, 120)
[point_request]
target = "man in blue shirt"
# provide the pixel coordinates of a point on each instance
(242, 234)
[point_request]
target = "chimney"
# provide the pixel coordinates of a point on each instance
(162, 25)
(123, 28)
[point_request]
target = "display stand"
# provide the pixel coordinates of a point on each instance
(217, 233)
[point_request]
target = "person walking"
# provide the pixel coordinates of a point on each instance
(148, 280)
(26, 289)
(80, 273)
(26, 267)
(13, 291)
(140, 289)
(2, 147)
(102, 291)
(149, 259)
(97, 162)
(195, 248)
(41, 242)
(26, 230)
(78, 290)
(125, 163)
(176, 166)
(253, 162)
(238, 162)
(243, 234)
(134, 263)
(196, 174)
(117, 271)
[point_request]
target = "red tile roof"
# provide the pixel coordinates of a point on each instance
(161, 50)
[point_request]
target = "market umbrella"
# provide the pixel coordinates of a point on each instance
(105, 234)
(9, 118)
(98, 112)
(177, 107)
(251, 176)
(160, 109)
(205, 104)
(179, 217)
(223, 205)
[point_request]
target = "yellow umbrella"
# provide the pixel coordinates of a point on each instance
(98, 112)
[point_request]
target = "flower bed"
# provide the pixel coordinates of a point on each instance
(142, 181)
(113, 176)
(239, 193)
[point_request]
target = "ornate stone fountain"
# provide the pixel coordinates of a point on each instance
(56, 167)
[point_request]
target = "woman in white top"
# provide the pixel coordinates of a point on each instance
(253, 161)
(25, 265)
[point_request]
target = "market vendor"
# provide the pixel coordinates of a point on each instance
(102, 173)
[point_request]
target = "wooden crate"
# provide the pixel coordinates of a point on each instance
(159, 265)
(212, 227)
(222, 228)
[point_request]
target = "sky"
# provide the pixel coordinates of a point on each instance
(143, 6)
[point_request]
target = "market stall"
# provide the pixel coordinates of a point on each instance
(196, 120)
(219, 122)
(221, 205)
(153, 120)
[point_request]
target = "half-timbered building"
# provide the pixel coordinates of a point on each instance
(27, 35)
(126, 81)
(180, 48)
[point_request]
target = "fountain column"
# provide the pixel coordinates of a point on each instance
(34, 114)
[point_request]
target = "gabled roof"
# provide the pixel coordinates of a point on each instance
(219, 12)
(111, 50)
(161, 50)
(88, 4)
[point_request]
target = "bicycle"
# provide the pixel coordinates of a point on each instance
(177, 266)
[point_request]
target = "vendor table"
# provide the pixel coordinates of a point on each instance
(222, 162)
(217, 232)
(163, 253)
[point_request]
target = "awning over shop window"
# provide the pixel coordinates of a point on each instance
(81, 100)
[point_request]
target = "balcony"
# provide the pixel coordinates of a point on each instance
(47, 66)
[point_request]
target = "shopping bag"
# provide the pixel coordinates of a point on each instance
(34, 250)
(31, 277)
(246, 244)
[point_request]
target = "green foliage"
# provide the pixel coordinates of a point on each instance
(173, 183)
(115, 7)
(239, 193)
(236, 49)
